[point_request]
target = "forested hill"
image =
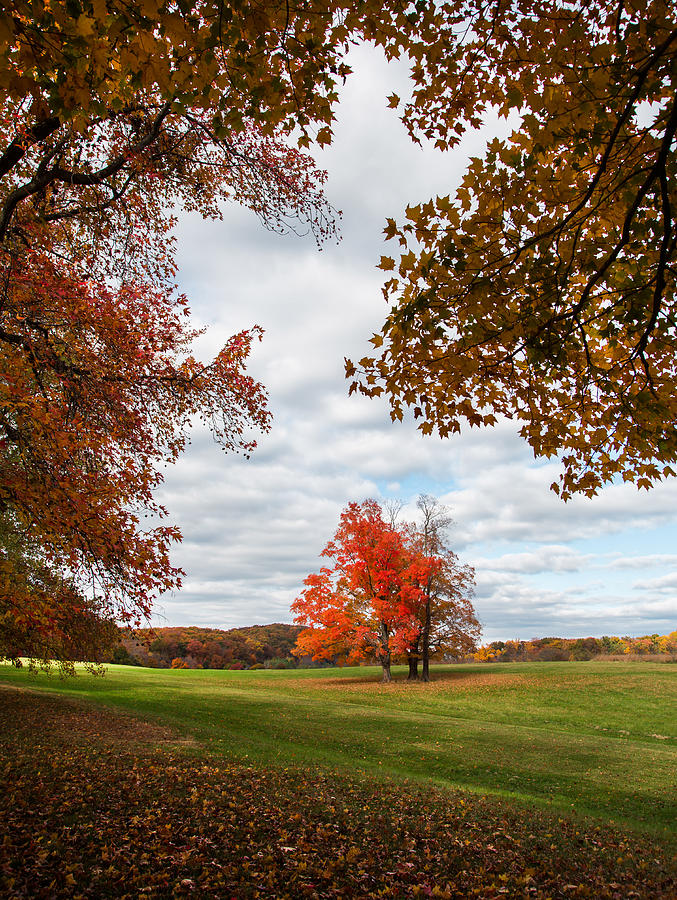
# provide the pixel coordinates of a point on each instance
(209, 648)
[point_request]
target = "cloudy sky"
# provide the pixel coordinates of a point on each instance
(253, 529)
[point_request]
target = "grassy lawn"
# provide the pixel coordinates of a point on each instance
(596, 739)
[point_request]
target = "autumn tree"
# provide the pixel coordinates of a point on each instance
(446, 620)
(97, 384)
(435, 519)
(544, 291)
(395, 590)
(112, 116)
(363, 605)
(43, 614)
(97, 391)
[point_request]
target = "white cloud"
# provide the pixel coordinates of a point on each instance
(556, 558)
(664, 584)
(511, 500)
(650, 561)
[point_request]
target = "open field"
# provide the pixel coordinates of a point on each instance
(535, 780)
(600, 739)
(97, 804)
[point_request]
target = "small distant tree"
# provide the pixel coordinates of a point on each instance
(122, 657)
(613, 644)
(195, 650)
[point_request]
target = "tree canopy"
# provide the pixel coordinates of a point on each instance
(389, 592)
(544, 291)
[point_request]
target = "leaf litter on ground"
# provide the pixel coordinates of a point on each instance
(94, 803)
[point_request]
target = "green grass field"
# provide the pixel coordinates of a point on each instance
(597, 739)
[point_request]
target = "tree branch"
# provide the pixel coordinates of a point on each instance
(44, 176)
(17, 148)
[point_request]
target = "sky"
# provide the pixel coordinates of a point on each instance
(254, 529)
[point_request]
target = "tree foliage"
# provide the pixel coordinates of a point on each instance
(545, 289)
(112, 117)
(554, 649)
(97, 384)
(363, 605)
(382, 593)
(208, 648)
(267, 63)
(43, 614)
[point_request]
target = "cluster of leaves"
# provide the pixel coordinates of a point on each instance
(263, 62)
(61, 624)
(208, 648)
(99, 805)
(391, 589)
(545, 290)
(551, 649)
(109, 120)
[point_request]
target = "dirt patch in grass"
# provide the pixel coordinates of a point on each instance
(97, 805)
(440, 682)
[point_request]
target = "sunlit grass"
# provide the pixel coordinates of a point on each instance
(594, 738)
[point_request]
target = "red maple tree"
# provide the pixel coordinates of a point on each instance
(393, 591)
(98, 387)
(366, 603)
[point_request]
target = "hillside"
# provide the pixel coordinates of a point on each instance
(193, 647)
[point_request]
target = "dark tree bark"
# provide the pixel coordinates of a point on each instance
(413, 668)
(384, 655)
(426, 640)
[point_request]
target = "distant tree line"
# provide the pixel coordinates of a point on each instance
(553, 649)
(276, 646)
(257, 646)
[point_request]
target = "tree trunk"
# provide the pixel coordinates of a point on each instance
(413, 669)
(426, 640)
(384, 655)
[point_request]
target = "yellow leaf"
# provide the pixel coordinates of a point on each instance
(84, 26)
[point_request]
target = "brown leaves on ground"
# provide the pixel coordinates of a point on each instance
(94, 804)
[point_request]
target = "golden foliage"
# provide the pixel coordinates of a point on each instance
(545, 290)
